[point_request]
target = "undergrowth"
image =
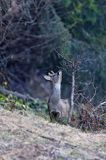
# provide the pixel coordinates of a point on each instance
(38, 107)
(12, 103)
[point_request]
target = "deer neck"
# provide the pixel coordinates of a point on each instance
(56, 93)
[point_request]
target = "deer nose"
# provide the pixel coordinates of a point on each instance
(55, 114)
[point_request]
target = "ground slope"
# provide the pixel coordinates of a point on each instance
(30, 137)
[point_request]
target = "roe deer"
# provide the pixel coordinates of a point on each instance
(58, 108)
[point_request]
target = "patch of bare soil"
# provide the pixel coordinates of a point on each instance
(30, 137)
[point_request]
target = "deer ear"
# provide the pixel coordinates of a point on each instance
(47, 77)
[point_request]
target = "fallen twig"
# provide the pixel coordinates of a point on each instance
(18, 95)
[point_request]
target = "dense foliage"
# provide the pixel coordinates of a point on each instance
(85, 20)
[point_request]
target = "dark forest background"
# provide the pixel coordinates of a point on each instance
(37, 36)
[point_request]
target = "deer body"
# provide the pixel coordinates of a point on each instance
(58, 108)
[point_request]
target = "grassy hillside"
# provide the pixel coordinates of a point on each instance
(30, 137)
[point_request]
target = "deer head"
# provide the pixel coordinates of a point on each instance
(54, 77)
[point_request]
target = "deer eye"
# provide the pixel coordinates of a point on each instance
(58, 73)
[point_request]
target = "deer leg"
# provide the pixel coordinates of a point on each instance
(50, 114)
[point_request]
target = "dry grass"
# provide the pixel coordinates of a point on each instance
(30, 137)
